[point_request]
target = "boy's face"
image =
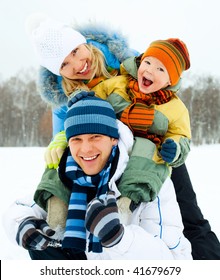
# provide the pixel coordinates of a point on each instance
(77, 65)
(152, 75)
(91, 151)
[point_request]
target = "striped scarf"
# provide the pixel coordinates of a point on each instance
(139, 116)
(96, 80)
(84, 189)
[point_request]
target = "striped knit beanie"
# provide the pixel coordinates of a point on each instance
(88, 114)
(173, 54)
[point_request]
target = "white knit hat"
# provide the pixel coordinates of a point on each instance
(53, 41)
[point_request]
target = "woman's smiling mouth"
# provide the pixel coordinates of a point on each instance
(84, 69)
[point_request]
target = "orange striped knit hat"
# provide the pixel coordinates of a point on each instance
(173, 54)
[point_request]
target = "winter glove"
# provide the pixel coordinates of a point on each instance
(169, 150)
(33, 234)
(102, 220)
(55, 150)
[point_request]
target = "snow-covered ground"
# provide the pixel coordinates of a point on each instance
(21, 170)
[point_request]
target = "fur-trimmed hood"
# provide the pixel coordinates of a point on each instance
(116, 42)
(112, 43)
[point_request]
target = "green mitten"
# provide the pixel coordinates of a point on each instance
(55, 150)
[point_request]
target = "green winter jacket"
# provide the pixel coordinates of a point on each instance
(50, 185)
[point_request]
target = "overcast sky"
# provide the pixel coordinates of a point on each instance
(197, 22)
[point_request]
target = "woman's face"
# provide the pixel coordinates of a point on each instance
(77, 65)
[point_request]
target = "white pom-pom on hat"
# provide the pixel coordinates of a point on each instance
(52, 40)
(33, 21)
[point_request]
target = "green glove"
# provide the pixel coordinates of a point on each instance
(55, 150)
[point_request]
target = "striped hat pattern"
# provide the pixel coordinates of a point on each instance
(88, 114)
(174, 55)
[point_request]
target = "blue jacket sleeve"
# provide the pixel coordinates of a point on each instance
(58, 117)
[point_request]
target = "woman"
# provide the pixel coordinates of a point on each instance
(106, 50)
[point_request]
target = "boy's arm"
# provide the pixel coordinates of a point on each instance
(172, 122)
(55, 150)
(179, 131)
(114, 90)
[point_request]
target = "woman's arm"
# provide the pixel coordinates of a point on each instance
(58, 116)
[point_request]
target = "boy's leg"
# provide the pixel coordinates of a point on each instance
(205, 244)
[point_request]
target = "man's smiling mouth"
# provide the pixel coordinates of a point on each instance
(89, 158)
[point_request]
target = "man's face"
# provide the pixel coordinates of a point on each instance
(91, 151)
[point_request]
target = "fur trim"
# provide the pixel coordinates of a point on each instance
(124, 211)
(113, 39)
(59, 232)
(57, 212)
(50, 87)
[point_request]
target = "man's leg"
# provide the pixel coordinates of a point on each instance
(205, 244)
(56, 254)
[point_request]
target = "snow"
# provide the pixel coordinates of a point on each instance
(22, 168)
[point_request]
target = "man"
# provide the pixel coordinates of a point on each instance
(99, 222)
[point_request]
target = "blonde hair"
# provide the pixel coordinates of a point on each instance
(99, 69)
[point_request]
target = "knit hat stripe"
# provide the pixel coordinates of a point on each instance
(92, 129)
(177, 59)
(90, 115)
(91, 101)
(90, 119)
(90, 108)
(184, 55)
(164, 55)
(89, 123)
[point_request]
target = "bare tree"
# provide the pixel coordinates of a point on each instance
(203, 102)
(25, 119)
(22, 114)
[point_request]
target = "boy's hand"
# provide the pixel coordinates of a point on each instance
(55, 150)
(169, 150)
